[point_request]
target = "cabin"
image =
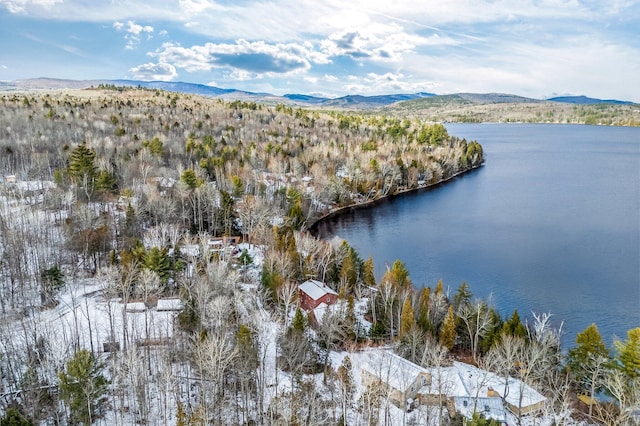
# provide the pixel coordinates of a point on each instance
(312, 293)
(10, 179)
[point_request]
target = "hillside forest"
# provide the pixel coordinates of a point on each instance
(151, 247)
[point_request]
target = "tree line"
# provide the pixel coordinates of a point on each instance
(125, 188)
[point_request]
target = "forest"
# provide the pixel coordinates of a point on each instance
(151, 248)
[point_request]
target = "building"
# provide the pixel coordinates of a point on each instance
(402, 381)
(312, 293)
(490, 408)
(408, 384)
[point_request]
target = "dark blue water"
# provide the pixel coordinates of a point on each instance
(551, 223)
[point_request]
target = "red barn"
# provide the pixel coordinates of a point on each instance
(312, 293)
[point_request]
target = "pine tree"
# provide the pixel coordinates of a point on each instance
(439, 289)
(586, 355)
(299, 323)
(82, 169)
(462, 296)
(190, 179)
(81, 164)
(157, 260)
(348, 272)
(369, 278)
(407, 319)
(13, 417)
(105, 181)
(423, 311)
(82, 386)
(398, 275)
(628, 353)
(514, 326)
(448, 330)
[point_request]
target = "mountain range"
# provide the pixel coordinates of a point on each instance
(349, 101)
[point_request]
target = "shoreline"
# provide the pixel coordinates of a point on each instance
(313, 227)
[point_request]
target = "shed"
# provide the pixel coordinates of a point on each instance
(312, 293)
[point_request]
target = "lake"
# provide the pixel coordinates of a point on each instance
(550, 223)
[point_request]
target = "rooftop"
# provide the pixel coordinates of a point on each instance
(316, 289)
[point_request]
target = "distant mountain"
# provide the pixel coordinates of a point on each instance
(406, 100)
(313, 100)
(585, 100)
(463, 100)
(351, 101)
(192, 88)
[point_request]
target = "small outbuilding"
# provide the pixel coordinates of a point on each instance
(312, 293)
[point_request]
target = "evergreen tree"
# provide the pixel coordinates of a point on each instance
(628, 353)
(423, 311)
(52, 281)
(478, 420)
(295, 215)
(190, 179)
(299, 322)
(462, 296)
(82, 386)
(82, 169)
(157, 260)
(368, 274)
(81, 164)
(105, 181)
(398, 275)
(493, 334)
(407, 319)
(514, 327)
(13, 417)
(439, 287)
(348, 272)
(586, 355)
(448, 330)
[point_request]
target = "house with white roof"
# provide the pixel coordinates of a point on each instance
(407, 383)
(401, 380)
(518, 397)
(312, 293)
(488, 408)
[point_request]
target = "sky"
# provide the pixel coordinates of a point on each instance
(533, 48)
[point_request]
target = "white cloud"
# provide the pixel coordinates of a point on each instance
(196, 6)
(379, 42)
(153, 72)
(133, 32)
(244, 58)
(22, 6)
(388, 82)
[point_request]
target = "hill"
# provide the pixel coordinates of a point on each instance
(505, 108)
(585, 100)
(458, 107)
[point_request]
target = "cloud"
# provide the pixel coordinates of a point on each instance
(243, 57)
(153, 72)
(379, 42)
(21, 6)
(388, 82)
(133, 32)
